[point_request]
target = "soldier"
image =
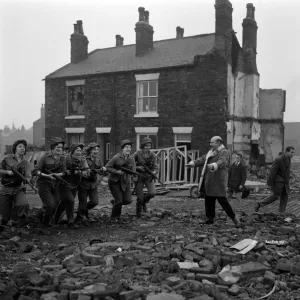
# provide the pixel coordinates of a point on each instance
(49, 168)
(13, 201)
(119, 181)
(88, 185)
(144, 158)
(76, 167)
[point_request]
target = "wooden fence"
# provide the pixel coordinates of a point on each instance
(171, 165)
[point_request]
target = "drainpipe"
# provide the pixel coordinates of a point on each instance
(114, 114)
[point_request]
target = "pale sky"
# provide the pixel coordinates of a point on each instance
(35, 41)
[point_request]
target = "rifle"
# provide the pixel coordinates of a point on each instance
(130, 172)
(60, 179)
(16, 172)
(151, 173)
(100, 171)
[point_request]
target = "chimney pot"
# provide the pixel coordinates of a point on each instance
(80, 28)
(75, 28)
(250, 11)
(179, 32)
(119, 40)
(146, 14)
(141, 13)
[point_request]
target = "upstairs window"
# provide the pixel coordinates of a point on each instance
(76, 100)
(147, 97)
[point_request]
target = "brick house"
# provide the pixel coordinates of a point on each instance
(179, 91)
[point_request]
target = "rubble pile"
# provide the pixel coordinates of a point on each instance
(163, 256)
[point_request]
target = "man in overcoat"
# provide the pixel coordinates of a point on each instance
(278, 181)
(215, 179)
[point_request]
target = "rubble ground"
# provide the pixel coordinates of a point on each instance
(165, 255)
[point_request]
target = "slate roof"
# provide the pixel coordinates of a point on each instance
(165, 53)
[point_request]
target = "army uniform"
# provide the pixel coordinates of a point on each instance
(149, 160)
(13, 201)
(73, 175)
(119, 185)
(48, 188)
(88, 186)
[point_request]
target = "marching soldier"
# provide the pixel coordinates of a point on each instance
(49, 169)
(144, 158)
(13, 201)
(118, 180)
(88, 185)
(76, 167)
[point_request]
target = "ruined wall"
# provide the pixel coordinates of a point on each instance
(271, 110)
(243, 93)
(292, 135)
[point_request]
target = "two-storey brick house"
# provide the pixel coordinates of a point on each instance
(177, 91)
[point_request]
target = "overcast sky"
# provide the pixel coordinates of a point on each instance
(35, 41)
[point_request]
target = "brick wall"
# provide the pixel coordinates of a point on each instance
(187, 97)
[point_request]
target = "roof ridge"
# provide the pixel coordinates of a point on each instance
(183, 38)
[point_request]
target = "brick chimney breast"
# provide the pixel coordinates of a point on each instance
(223, 22)
(250, 28)
(250, 40)
(79, 44)
(144, 33)
(179, 32)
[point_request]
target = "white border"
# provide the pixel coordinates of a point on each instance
(146, 130)
(74, 117)
(75, 130)
(146, 77)
(75, 82)
(103, 129)
(182, 129)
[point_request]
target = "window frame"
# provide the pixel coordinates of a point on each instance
(70, 135)
(147, 96)
(140, 78)
(107, 151)
(73, 84)
(138, 146)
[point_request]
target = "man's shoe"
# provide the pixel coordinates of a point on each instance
(145, 209)
(207, 222)
(87, 214)
(257, 207)
(237, 222)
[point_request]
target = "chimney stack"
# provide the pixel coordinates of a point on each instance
(43, 111)
(250, 40)
(179, 32)
(144, 33)
(119, 40)
(223, 21)
(146, 16)
(79, 44)
(250, 28)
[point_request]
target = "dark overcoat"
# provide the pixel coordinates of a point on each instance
(237, 176)
(215, 182)
(279, 175)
